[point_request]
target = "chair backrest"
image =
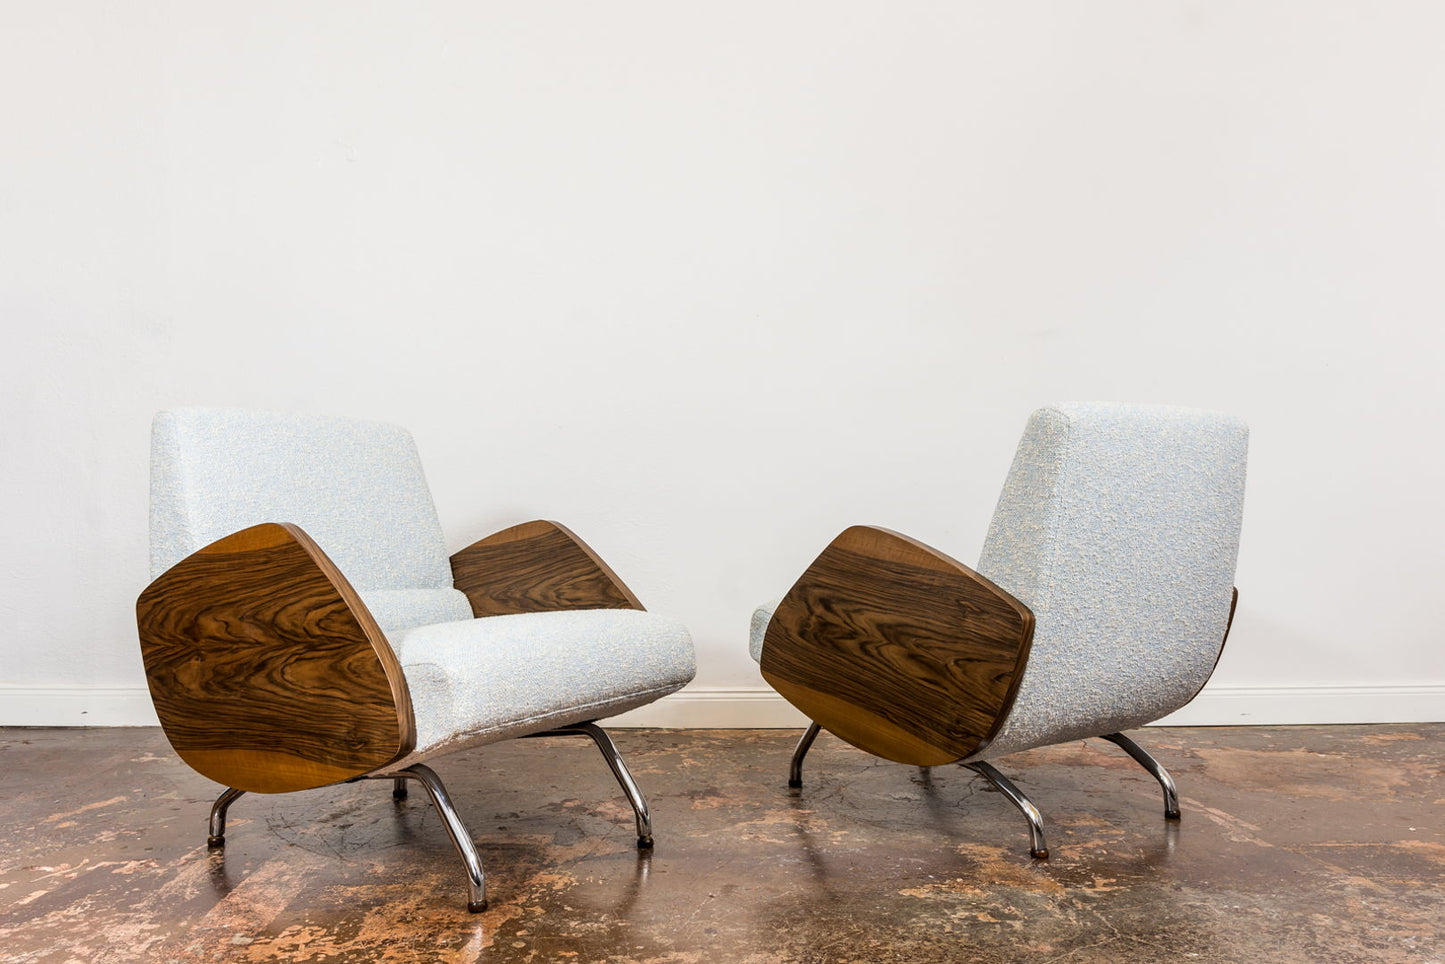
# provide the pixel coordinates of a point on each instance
(1119, 527)
(355, 487)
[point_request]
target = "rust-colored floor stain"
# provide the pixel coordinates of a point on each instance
(1311, 844)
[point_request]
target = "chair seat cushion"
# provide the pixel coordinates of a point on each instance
(477, 681)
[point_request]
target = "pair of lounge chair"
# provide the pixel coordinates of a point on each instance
(305, 625)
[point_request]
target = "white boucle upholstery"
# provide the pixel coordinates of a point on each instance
(759, 629)
(1118, 526)
(397, 610)
(358, 490)
(356, 487)
(482, 680)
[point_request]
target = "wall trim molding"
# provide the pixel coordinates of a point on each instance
(701, 707)
(1313, 704)
(76, 706)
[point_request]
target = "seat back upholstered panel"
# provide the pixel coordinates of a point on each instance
(1118, 526)
(355, 487)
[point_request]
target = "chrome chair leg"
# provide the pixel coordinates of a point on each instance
(619, 770)
(1038, 848)
(217, 838)
(795, 768)
(398, 789)
(461, 839)
(1141, 756)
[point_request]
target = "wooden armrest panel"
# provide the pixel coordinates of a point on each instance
(266, 669)
(898, 649)
(537, 567)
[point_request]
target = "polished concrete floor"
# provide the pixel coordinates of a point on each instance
(1311, 844)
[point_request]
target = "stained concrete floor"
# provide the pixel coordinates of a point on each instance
(1317, 844)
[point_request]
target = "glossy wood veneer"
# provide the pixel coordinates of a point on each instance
(898, 649)
(267, 671)
(537, 567)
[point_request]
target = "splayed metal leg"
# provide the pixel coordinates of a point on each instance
(217, 839)
(398, 789)
(795, 768)
(461, 839)
(1038, 848)
(620, 771)
(1171, 795)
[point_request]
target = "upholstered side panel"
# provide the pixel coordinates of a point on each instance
(355, 487)
(1118, 527)
(758, 631)
(490, 679)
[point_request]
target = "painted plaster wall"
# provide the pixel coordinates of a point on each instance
(709, 283)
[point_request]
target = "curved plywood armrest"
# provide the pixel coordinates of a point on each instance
(898, 649)
(267, 671)
(537, 567)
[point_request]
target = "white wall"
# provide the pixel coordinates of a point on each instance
(710, 282)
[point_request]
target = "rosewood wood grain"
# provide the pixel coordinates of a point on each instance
(537, 567)
(898, 649)
(266, 669)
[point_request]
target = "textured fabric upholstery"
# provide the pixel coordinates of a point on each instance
(483, 680)
(761, 617)
(356, 487)
(1118, 526)
(397, 610)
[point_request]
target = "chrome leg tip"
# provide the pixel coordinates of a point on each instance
(795, 784)
(1171, 814)
(399, 794)
(644, 843)
(476, 906)
(216, 842)
(1039, 854)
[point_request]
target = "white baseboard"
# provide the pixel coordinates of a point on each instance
(1287, 705)
(709, 708)
(76, 706)
(700, 707)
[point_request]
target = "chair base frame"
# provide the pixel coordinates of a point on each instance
(461, 838)
(619, 770)
(795, 767)
(1155, 768)
(1038, 845)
